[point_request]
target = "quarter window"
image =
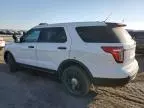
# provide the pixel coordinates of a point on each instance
(99, 34)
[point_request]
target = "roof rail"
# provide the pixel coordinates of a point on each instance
(43, 24)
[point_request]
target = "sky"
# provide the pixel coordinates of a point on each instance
(24, 14)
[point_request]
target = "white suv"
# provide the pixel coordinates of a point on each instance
(81, 53)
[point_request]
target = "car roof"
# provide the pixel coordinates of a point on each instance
(90, 23)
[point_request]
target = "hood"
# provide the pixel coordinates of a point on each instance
(9, 42)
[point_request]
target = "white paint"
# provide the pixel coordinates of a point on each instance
(100, 63)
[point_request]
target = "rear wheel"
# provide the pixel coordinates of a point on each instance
(11, 63)
(76, 81)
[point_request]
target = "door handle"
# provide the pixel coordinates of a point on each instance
(30, 46)
(62, 48)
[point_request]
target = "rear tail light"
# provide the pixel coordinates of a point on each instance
(117, 52)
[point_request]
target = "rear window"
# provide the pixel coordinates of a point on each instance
(103, 34)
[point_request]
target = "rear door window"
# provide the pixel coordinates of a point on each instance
(103, 34)
(53, 35)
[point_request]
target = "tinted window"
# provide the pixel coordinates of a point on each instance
(56, 35)
(31, 36)
(103, 34)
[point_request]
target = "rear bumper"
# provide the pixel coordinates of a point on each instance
(130, 74)
(112, 81)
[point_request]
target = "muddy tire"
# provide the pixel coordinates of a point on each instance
(75, 81)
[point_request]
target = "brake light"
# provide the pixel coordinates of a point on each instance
(117, 52)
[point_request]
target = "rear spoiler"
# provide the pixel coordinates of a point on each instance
(115, 24)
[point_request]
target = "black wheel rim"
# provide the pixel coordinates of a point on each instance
(73, 82)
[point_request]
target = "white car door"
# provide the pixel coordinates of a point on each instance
(25, 51)
(53, 47)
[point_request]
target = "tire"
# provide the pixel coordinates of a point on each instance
(11, 63)
(75, 81)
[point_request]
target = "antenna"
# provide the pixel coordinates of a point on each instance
(123, 20)
(108, 17)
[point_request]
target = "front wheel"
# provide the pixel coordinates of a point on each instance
(76, 81)
(11, 63)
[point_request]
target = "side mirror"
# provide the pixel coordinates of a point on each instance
(16, 39)
(21, 39)
(24, 33)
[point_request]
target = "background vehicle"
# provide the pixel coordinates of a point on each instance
(2, 42)
(81, 53)
(138, 36)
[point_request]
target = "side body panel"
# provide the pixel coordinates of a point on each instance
(49, 55)
(100, 63)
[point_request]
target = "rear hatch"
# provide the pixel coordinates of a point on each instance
(127, 42)
(111, 38)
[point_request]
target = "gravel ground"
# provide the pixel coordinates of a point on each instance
(29, 89)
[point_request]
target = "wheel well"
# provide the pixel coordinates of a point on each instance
(69, 63)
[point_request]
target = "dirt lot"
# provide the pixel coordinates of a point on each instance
(31, 89)
(130, 96)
